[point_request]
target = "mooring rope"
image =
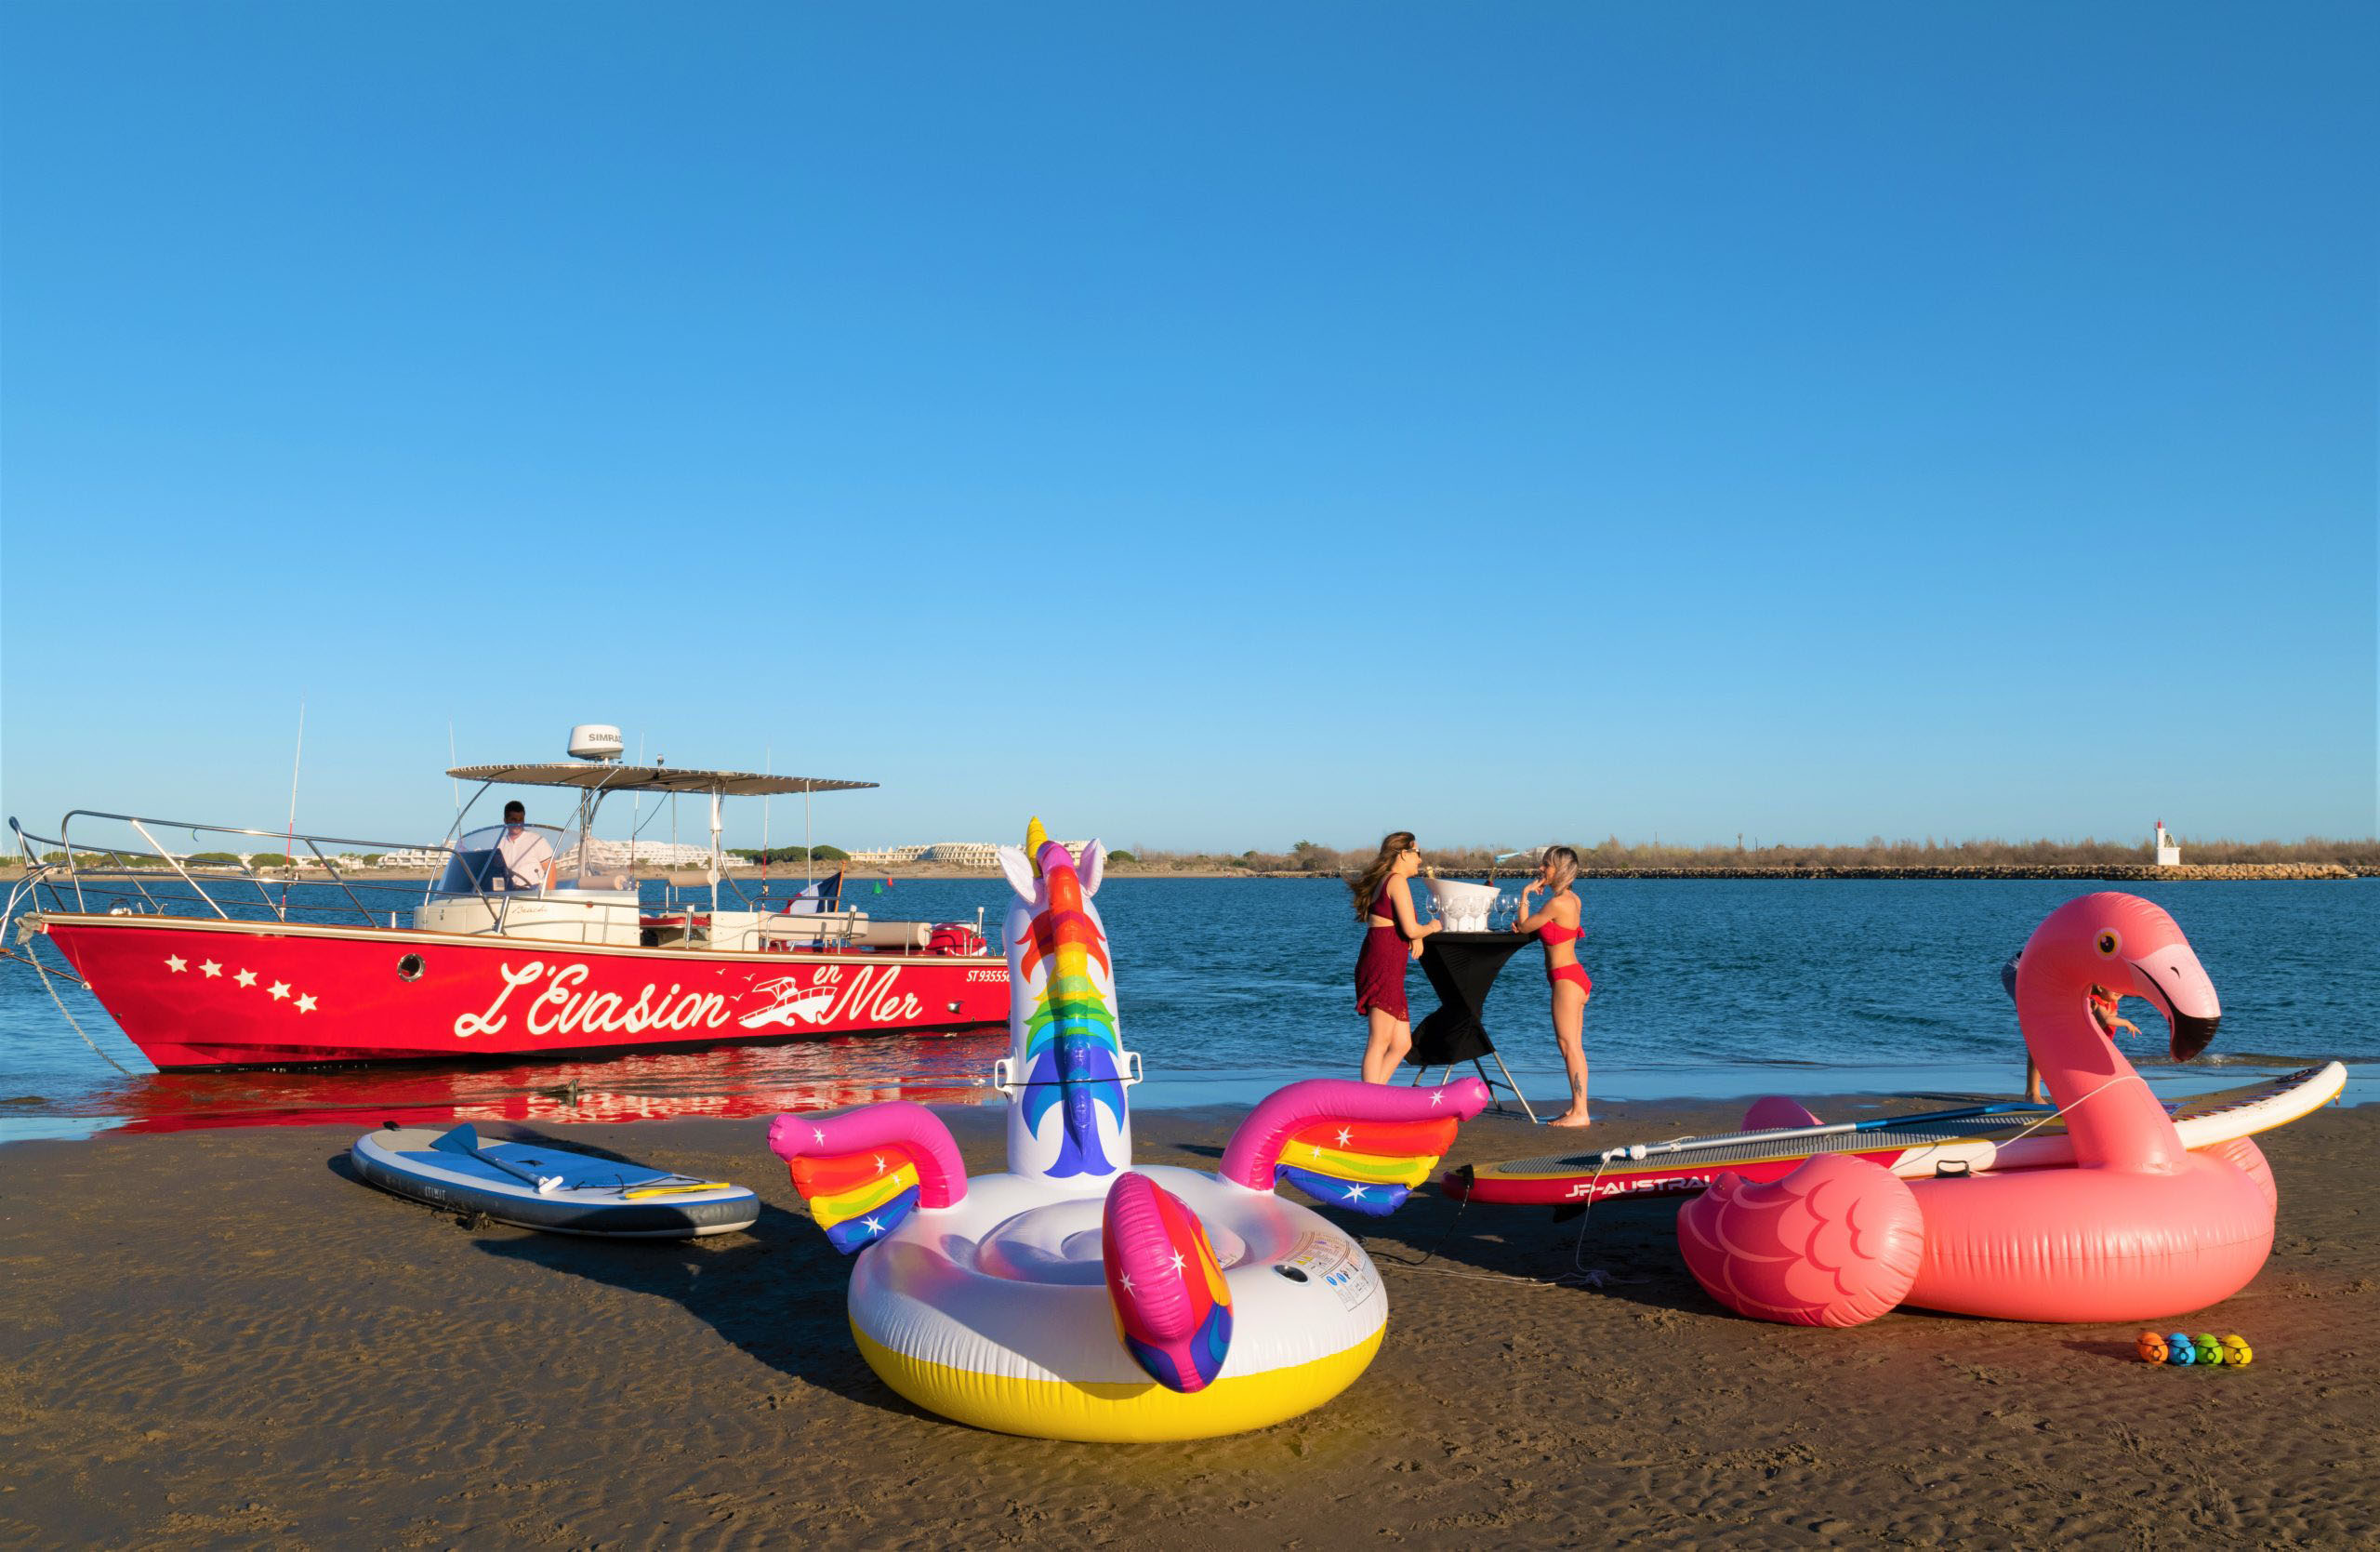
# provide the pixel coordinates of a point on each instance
(32, 958)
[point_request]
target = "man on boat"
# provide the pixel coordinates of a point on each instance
(526, 857)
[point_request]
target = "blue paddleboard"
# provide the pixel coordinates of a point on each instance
(537, 1184)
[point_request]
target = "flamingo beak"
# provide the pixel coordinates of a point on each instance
(2174, 980)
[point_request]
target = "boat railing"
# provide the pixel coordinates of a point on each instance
(121, 875)
(127, 869)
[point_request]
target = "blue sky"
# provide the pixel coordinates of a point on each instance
(1207, 426)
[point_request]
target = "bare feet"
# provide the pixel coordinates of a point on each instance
(1569, 1118)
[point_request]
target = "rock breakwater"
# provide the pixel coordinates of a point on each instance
(2131, 873)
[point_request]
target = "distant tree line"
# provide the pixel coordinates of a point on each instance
(1307, 857)
(773, 855)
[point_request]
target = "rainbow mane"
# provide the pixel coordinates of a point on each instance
(1066, 1047)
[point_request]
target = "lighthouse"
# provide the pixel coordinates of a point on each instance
(2169, 851)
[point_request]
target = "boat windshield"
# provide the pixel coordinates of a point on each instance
(496, 859)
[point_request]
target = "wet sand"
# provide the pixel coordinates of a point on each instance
(221, 1338)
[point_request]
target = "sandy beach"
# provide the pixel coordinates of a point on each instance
(222, 1338)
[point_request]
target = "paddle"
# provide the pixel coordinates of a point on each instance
(1876, 1124)
(464, 1140)
(634, 1193)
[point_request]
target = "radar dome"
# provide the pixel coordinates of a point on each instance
(595, 741)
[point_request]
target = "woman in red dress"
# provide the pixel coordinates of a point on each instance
(1392, 940)
(1557, 927)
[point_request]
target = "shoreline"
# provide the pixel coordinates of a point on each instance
(588, 1101)
(205, 1329)
(2213, 872)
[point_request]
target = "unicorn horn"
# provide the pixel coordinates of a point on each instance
(1035, 839)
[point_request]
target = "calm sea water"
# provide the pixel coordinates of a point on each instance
(1229, 987)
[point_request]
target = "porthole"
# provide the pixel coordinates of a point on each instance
(409, 968)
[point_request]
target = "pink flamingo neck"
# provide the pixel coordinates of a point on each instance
(2116, 1123)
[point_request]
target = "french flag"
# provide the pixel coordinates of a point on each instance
(824, 896)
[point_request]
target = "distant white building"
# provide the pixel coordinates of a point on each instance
(603, 856)
(628, 855)
(414, 858)
(886, 857)
(2169, 851)
(948, 854)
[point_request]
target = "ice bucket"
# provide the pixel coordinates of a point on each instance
(1462, 906)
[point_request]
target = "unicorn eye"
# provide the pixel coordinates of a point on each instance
(2108, 944)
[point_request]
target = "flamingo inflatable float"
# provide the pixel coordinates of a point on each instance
(2137, 1229)
(1072, 1296)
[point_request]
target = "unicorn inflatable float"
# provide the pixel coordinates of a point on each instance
(2123, 1224)
(1074, 1296)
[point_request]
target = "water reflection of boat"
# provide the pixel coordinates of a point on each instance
(730, 1083)
(528, 940)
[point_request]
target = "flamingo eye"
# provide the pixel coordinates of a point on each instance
(2108, 944)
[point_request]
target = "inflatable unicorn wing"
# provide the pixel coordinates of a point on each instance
(1361, 1147)
(865, 1171)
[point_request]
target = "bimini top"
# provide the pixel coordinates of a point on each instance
(610, 778)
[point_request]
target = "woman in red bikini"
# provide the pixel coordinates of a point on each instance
(1391, 939)
(1557, 927)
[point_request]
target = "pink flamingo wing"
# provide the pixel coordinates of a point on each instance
(1836, 1242)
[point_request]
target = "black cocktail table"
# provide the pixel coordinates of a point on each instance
(1461, 967)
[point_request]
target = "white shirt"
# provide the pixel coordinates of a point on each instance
(526, 855)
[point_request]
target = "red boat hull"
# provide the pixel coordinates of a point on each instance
(200, 994)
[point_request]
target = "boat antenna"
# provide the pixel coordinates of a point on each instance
(768, 767)
(636, 808)
(289, 845)
(452, 763)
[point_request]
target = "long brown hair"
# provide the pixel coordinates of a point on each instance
(1566, 867)
(1366, 883)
